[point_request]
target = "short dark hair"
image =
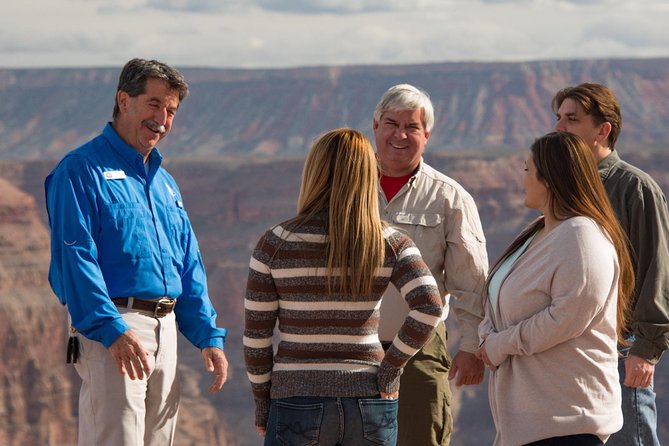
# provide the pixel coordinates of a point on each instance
(598, 101)
(136, 72)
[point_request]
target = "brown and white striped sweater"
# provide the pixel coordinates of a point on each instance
(328, 343)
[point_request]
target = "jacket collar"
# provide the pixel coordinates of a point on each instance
(606, 165)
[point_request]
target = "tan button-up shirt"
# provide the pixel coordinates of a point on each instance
(442, 219)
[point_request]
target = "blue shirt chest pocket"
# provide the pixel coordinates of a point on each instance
(124, 232)
(178, 228)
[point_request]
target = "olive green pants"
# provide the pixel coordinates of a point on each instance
(424, 416)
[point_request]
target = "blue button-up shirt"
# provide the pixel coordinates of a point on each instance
(118, 230)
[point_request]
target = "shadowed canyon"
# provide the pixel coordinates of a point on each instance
(236, 152)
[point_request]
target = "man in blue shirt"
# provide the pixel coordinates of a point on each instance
(126, 263)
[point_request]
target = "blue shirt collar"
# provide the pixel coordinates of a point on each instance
(127, 152)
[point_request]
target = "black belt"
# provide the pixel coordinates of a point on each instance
(158, 308)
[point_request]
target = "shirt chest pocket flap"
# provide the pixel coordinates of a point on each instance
(422, 227)
(417, 219)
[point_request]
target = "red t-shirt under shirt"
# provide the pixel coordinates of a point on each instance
(392, 185)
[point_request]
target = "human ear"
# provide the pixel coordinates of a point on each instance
(122, 99)
(603, 133)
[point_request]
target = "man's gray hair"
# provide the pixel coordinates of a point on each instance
(406, 97)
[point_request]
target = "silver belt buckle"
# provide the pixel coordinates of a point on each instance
(159, 305)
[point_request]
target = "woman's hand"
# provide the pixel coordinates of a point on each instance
(483, 356)
(390, 396)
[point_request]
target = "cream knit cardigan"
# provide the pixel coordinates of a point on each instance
(553, 338)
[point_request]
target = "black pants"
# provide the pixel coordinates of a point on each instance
(569, 440)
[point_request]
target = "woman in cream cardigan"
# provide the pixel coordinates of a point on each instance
(557, 304)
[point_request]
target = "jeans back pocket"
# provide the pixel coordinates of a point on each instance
(379, 419)
(298, 424)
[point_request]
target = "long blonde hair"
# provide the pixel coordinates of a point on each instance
(340, 176)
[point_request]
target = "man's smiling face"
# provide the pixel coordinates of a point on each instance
(400, 140)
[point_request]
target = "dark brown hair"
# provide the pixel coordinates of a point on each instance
(567, 166)
(136, 72)
(599, 102)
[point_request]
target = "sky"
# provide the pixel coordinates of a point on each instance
(297, 33)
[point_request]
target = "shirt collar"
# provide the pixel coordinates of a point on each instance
(420, 167)
(415, 173)
(605, 165)
(128, 152)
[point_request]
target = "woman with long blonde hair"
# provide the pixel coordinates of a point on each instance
(557, 303)
(321, 275)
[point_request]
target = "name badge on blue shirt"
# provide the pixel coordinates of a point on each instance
(114, 175)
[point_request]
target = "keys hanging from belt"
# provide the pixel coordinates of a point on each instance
(72, 347)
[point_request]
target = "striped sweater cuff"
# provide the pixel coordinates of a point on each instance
(262, 412)
(388, 378)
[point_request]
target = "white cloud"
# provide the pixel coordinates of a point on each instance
(302, 7)
(274, 33)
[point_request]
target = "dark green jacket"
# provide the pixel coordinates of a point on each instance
(641, 208)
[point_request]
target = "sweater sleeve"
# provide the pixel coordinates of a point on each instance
(485, 328)
(585, 277)
(417, 286)
(261, 307)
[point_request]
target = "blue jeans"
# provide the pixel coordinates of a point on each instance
(307, 421)
(639, 413)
